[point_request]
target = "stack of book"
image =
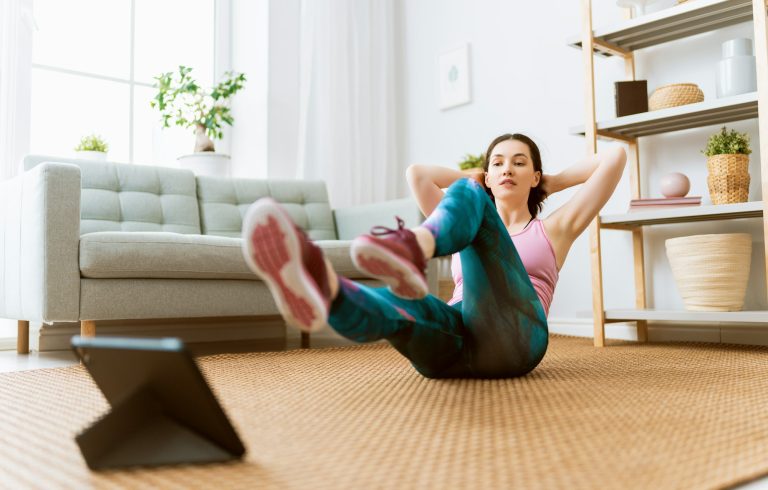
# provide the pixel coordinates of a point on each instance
(663, 203)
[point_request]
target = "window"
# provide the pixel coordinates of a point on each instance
(93, 69)
(93, 64)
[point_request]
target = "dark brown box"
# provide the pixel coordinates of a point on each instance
(631, 97)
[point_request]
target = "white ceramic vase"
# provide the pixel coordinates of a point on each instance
(736, 71)
(98, 156)
(206, 163)
(638, 6)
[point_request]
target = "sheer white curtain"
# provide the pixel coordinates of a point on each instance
(15, 79)
(347, 107)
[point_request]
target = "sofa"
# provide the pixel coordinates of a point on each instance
(85, 241)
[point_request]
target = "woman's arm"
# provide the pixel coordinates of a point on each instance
(427, 181)
(576, 174)
(600, 174)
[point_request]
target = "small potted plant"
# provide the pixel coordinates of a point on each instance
(92, 147)
(183, 102)
(728, 166)
(472, 165)
(472, 161)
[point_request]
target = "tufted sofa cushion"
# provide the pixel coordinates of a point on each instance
(223, 203)
(123, 197)
(118, 255)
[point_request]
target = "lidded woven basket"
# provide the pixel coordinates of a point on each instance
(674, 95)
(711, 271)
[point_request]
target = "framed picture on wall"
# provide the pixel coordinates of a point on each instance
(454, 77)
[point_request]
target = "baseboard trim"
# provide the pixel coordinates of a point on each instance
(199, 331)
(749, 334)
(8, 343)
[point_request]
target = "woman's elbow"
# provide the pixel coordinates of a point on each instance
(617, 155)
(413, 173)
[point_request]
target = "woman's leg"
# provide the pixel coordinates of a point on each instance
(427, 332)
(506, 327)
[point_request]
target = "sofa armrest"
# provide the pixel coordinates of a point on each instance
(354, 221)
(39, 240)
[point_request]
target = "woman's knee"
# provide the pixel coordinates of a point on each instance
(468, 185)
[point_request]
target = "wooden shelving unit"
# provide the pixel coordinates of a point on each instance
(687, 316)
(684, 20)
(717, 111)
(752, 209)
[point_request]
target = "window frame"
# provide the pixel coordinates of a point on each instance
(222, 61)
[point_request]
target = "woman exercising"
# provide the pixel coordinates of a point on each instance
(505, 263)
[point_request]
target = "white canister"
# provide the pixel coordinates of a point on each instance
(206, 163)
(736, 71)
(98, 156)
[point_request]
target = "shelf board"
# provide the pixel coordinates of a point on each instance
(707, 113)
(687, 316)
(688, 214)
(683, 20)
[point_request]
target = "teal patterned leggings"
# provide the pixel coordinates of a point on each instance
(499, 330)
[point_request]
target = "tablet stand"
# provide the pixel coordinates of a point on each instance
(138, 431)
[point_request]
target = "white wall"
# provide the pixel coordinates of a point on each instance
(526, 79)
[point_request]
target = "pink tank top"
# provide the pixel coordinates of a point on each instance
(538, 257)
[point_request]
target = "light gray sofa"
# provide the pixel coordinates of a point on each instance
(86, 241)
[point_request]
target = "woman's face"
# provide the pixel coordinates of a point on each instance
(510, 171)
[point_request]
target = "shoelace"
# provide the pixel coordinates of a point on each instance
(383, 230)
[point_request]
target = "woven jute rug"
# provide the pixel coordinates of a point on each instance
(681, 415)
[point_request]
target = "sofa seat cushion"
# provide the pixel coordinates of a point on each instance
(162, 255)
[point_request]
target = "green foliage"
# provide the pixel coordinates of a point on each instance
(183, 102)
(92, 143)
(472, 161)
(727, 143)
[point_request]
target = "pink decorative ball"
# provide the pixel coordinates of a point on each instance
(675, 184)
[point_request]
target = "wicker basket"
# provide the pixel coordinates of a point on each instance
(733, 163)
(711, 271)
(728, 188)
(675, 95)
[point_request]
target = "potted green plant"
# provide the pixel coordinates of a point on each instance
(472, 165)
(728, 166)
(183, 102)
(92, 147)
(472, 161)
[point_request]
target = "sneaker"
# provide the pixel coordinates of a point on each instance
(394, 257)
(289, 263)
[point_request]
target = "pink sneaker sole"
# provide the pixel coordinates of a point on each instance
(272, 249)
(402, 277)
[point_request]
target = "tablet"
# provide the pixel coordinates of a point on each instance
(163, 411)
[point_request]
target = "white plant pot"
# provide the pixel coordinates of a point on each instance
(98, 156)
(206, 163)
(736, 72)
(638, 6)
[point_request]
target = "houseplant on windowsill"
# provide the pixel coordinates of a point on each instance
(92, 147)
(472, 165)
(728, 166)
(183, 102)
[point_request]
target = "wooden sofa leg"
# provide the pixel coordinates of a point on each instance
(304, 340)
(22, 338)
(87, 328)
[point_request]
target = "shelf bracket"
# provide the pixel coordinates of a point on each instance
(615, 136)
(609, 48)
